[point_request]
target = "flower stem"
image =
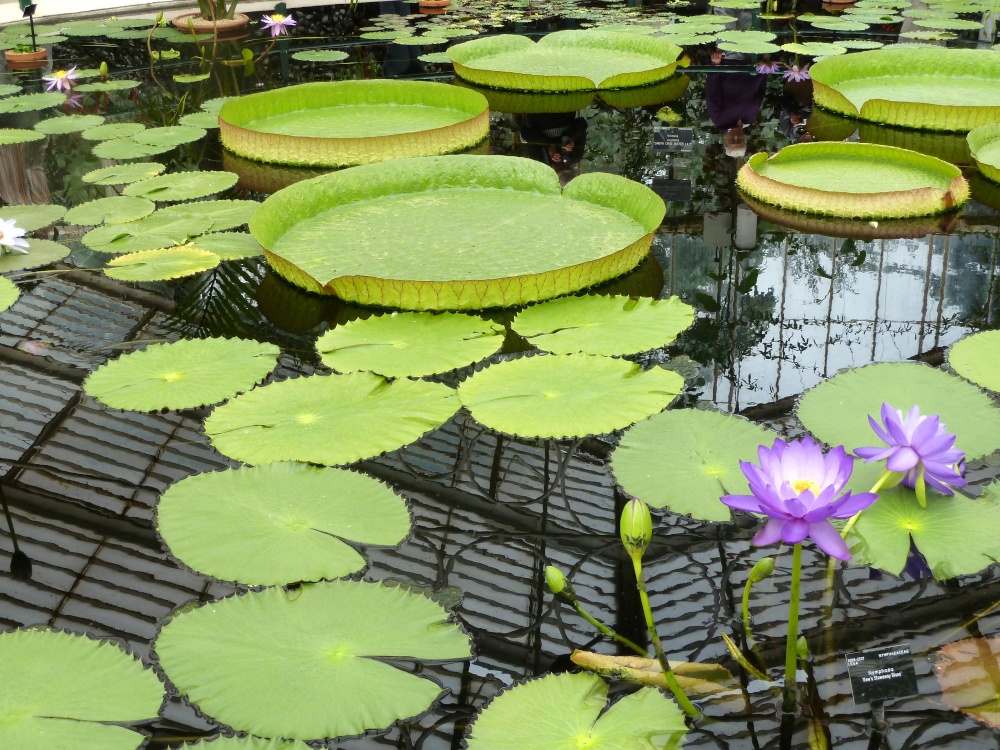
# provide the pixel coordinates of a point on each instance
(882, 481)
(668, 674)
(791, 654)
(605, 630)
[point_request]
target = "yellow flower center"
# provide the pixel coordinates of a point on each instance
(277, 17)
(60, 74)
(801, 485)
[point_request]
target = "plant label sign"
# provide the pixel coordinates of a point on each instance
(672, 140)
(881, 674)
(671, 190)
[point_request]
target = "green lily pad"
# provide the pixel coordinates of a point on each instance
(957, 536)
(977, 358)
(246, 743)
(280, 523)
(320, 55)
(932, 36)
(10, 136)
(115, 85)
(8, 293)
(321, 674)
(984, 146)
(117, 209)
(33, 217)
(68, 124)
(214, 105)
(122, 174)
(174, 135)
(316, 419)
(162, 264)
(228, 245)
(948, 24)
(40, 253)
(64, 690)
(205, 120)
(123, 149)
(435, 57)
(181, 375)
(6, 89)
(522, 717)
(150, 233)
(225, 214)
(856, 24)
(750, 48)
(567, 395)
(684, 460)
(745, 36)
(409, 344)
(182, 186)
(191, 77)
(609, 325)
(836, 411)
(814, 49)
(859, 43)
(30, 102)
(112, 130)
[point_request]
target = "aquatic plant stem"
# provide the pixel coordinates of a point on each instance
(605, 630)
(791, 652)
(668, 674)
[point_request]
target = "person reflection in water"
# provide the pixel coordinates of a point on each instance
(556, 139)
(734, 99)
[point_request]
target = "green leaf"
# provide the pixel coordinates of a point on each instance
(324, 645)
(30, 102)
(280, 523)
(64, 690)
(813, 49)
(175, 135)
(200, 120)
(150, 233)
(117, 209)
(123, 149)
(115, 85)
(182, 186)
(181, 375)
(191, 77)
(214, 105)
(750, 48)
(112, 130)
(68, 124)
(161, 265)
(984, 147)
(245, 743)
(6, 89)
(409, 344)
(228, 245)
(40, 253)
(435, 57)
(121, 174)
(8, 293)
(316, 419)
(977, 358)
(320, 55)
(684, 460)
(745, 36)
(225, 214)
(836, 411)
(10, 136)
(567, 395)
(33, 217)
(948, 24)
(568, 711)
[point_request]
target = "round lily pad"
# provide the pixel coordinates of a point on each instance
(280, 523)
(65, 690)
(751, 47)
(174, 135)
(321, 673)
(205, 120)
(684, 460)
(214, 105)
(609, 325)
(191, 77)
(522, 717)
(455, 232)
(6, 89)
(33, 217)
(977, 358)
(10, 136)
(122, 174)
(68, 124)
(228, 245)
(836, 411)
(30, 102)
(123, 149)
(40, 253)
(112, 130)
(117, 209)
(8, 293)
(245, 743)
(409, 344)
(150, 233)
(182, 186)
(316, 419)
(567, 395)
(320, 55)
(948, 24)
(182, 374)
(110, 85)
(814, 49)
(435, 57)
(161, 265)
(225, 214)
(984, 145)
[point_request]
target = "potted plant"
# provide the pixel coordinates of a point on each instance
(25, 57)
(213, 16)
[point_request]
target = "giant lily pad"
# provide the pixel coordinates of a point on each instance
(409, 344)
(977, 357)
(984, 143)
(150, 233)
(565, 61)
(64, 690)
(354, 122)
(32, 217)
(836, 411)
(280, 523)
(854, 180)
(567, 395)
(40, 253)
(562, 711)
(933, 89)
(321, 673)
(608, 325)
(330, 420)
(969, 674)
(684, 460)
(455, 232)
(181, 186)
(182, 374)
(8, 293)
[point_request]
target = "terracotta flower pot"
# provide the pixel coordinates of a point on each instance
(202, 26)
(434, 3)
(26, 60)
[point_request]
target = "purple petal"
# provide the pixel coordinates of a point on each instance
(828, 539)
(924, 431)
(903, 459)
(854, 504)
(878, 430)
(894, 426)
(770, 534)
(749, 503)
(794, 531)
(869, 454)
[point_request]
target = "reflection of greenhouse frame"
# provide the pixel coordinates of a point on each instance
(338, 152)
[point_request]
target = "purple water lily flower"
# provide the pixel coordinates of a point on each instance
(767, 69)
(797, 486)
(795, 73)
(919, 452)
(278, 23)
(61, 80)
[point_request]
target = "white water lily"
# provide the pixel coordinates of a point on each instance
(10, 238)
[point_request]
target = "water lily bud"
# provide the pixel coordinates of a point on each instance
(555, 579)
(636, 527)
(104, 71)
(802, 647)
(20, 566)
(159, 18)
(762, 570)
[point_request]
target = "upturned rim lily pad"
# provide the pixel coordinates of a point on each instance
(984, 144)
(976, 357)
(854, 180)
(320, 234)
(353, 122)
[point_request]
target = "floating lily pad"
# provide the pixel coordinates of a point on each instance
(316, 419)
(567, 395)
(225, 214)
(246, 743)
(967, 673)
(33, 217)
(409, 344)
(30, 102)
(162, 264)
(8, 293)
(228, 245)
(280, 523)
(522, 717)
(977, 358)
(948, 24)
(181, 375)
(40, 253)
(123, 149)
(214, 105)
(984, 145)
(684, 460)
(181, 186)
(435, 57)
(117, 209)
(64, 690)
(122, 174)
(860, 180)
(191, 77)
(565, 61)
(174, 135)
(423, 233)
(320, 55)
(10, 136)
(932, 36)
(150, 233)
(814, 49)
(836, 411)
(859, 43)
(68, 124)
(745, 36)
(750, 47)
(6, 89)
(112, 130)
(205, 120)
(840, 25)
(321, 674)
(111, 85)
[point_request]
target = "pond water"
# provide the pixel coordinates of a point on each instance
(782, 303)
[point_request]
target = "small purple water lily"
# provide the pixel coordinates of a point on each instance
(920, 452)
(61, 80)
(278, 23)
(795, 73)
(767, 69)
(796, 487)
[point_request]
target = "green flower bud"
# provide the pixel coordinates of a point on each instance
(636, 527)
(802, 647)
(104, 71)
(762, 569)
(555, 579)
